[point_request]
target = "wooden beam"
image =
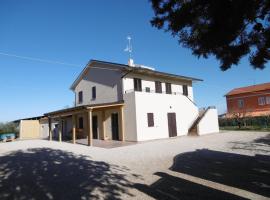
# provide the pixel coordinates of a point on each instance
(50, 128)
(89, 125)
(60, 130)
(122, 124)
(103, 133)
(74, 129)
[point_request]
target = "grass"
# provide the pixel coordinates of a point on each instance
(245, 128)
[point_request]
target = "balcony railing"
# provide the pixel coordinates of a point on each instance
(163, 92)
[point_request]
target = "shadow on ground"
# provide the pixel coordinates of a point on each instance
(260, 145)
(44, 173)
(251, 173)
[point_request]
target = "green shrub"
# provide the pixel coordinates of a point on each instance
(8, 128)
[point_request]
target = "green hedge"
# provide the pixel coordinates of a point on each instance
(261, 122)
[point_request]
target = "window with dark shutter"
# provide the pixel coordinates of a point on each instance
(80, 97)
(168, 88)
(185, 90)
(94, 92)
(137, 84)
(80, 123)
(150, 119)
(158, 87)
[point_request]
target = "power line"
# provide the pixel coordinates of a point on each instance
(38, 59)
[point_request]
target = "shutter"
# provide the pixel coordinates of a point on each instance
(150, 118)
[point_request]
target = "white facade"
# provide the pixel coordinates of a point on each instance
(115, 82)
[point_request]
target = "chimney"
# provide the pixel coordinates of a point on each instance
(131, 62)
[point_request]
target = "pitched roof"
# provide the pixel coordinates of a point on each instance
(127, 69)
(248, 89)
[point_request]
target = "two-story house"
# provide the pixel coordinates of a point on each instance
(252, 100)
(132, 103)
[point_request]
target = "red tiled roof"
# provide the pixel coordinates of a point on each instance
(252, 88)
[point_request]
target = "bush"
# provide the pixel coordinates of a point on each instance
(251, 123)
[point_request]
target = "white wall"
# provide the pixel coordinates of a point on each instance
(108, 85)
(160, 105)
(209, 123)
(148, 81)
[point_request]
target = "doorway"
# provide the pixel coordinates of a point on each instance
(95, 127)
(172, 124)
(115, 128)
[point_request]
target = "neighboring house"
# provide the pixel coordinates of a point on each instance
(249, 101)
(130, 103)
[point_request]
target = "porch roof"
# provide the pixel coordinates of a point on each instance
(70, 111)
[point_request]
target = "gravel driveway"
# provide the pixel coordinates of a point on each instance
(226, 165)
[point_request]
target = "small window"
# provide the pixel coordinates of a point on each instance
(80, 97)
(80, 123)
(150, 119)
(261, 101)
(147, 89)
(94, 95)
(168, 88)
(185, 90)
(137, 84)
(267, 100)
(240, 103)
(158, 87)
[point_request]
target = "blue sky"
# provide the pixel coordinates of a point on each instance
(75, 31)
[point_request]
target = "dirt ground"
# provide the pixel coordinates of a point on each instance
(226, 165)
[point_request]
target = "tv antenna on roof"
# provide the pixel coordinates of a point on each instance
(129, 47)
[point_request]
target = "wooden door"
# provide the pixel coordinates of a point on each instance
(172, 124)
(95, 127)
(115, 128)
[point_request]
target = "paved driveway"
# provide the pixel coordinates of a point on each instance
(228, 165)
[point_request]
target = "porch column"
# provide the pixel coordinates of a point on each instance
(89, 122)
(74, 129)
(103, 133)
(122, 125)
(50, 128)
(60, 130)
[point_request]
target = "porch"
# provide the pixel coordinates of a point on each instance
(107, 144)
(83, 124)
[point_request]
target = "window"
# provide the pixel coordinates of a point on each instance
(137, 84)
(267, 100)
(158, 87)
(150, 119)
(80, 123)
(94, 95)
(168, 88)
(261, 101)
(240, 103)
(80, 97)
(185, 90)
(147, 89)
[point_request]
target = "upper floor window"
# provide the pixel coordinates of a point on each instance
(150, 119)
(168, 88)
(147, 89)
(158, 87)
(94, 95)
(80, 98)
(137, 84)
(185, 90)
(267, 100)
(261, 101)
(240, 103)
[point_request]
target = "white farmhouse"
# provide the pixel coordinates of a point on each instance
(131, 103)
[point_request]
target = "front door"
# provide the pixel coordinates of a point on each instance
(95, 127)
(115, 128)
(172, 124)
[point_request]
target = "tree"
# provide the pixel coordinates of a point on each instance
(226, 29)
